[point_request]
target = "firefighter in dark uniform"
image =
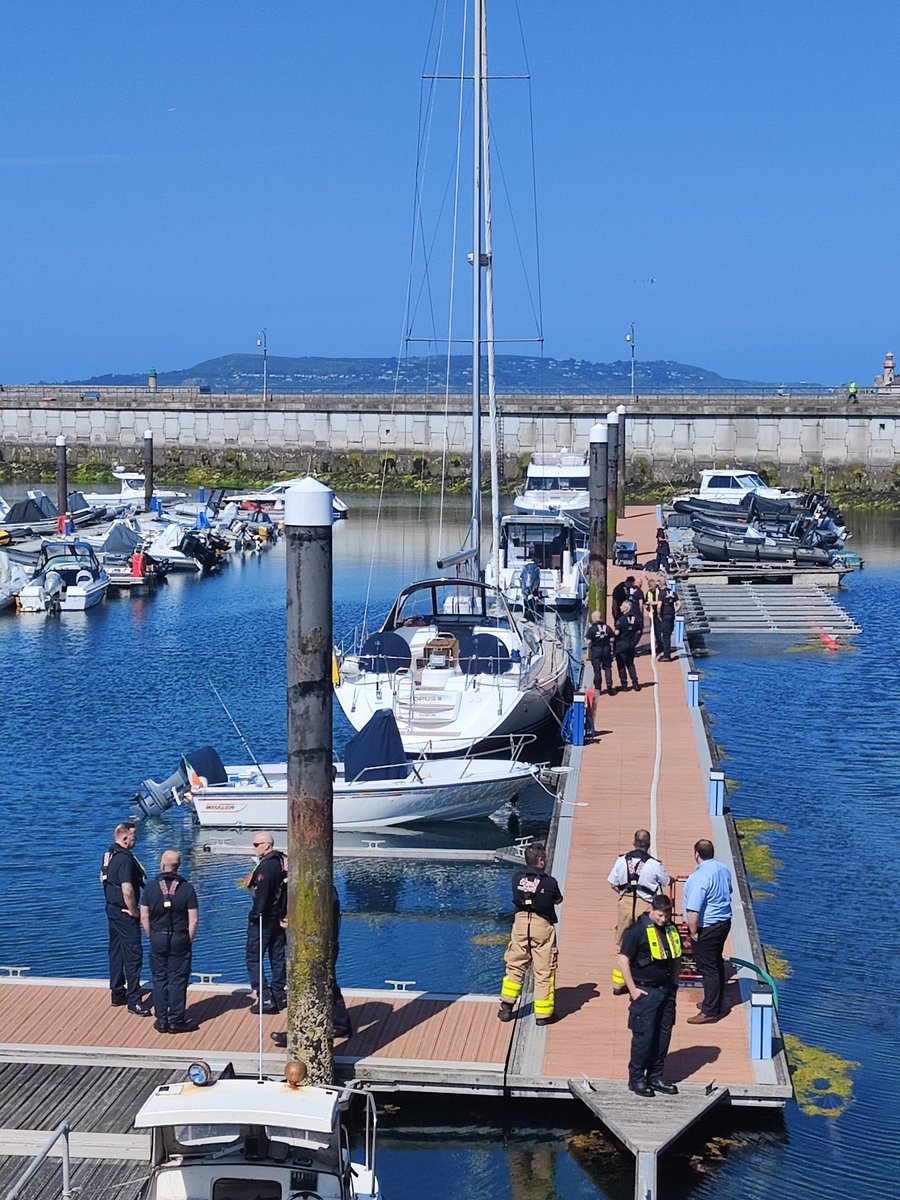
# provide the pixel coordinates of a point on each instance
(169, 916)
(663, 605)
(599, 640)
(629, 627)
(532, 942)
(122, 878)
(650, 961)
(266, 932)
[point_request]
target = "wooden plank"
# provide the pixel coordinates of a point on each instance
(26, 1143)
(646, 1126)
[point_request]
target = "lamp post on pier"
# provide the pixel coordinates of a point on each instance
(261, 342)
(629, 337)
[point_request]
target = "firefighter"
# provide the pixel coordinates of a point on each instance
(266, 932)
(169, 917)
(122, 878)
(650, 961)
(532, 942)
(599, 640)
(636, 877)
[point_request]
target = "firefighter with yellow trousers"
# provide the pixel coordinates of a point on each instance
(532, 942)
(650, 960)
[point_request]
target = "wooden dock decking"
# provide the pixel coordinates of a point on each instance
(648, 768)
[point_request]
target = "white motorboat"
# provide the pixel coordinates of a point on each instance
(726, 486)
(12, 579)
(540, 563)
(271, 500)
(68, 578)
(376, 786)
(555, 483)
(131, 491)
(232, 1138)
(455, 667)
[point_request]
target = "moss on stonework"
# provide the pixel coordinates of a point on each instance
(759, 860)
(822, 1081)
(778, 966)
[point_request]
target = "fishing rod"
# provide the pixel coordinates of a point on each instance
(237, 730)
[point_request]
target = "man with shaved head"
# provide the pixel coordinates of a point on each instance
(266, 934)
(169, 917)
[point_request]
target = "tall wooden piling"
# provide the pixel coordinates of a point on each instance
(308, 514)
(620, 482)
(612, 481)
(597, 485)
(148, 468)
(62, 478)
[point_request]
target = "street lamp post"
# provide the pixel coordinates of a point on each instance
(261, 342)
(629, 337)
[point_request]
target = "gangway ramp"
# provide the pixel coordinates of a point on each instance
(785, 609)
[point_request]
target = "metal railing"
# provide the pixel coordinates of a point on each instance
(61, 1132)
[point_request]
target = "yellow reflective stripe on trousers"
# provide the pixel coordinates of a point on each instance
(510, 989)
(544, 1008)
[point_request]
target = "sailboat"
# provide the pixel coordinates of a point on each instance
(451, 660)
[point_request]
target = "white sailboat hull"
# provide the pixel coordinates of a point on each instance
(440, 790)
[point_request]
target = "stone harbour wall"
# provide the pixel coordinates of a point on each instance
(669, 439)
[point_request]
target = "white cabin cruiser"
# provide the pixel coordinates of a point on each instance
(540, 563)
(556, 482)
(255, 1139)
(376, 786)
(131, 491)
(68, 578)
(271, 500)
(455, 667)
(734, 486)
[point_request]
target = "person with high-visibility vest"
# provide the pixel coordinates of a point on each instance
(532, 942)
(650, 960)
(636, 877)
(852, 392)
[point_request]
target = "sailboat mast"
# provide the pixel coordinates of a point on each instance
(477, 135)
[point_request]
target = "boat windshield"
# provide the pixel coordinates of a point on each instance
(206, 1135)
(555, 483)
(432, 603)
(751, 482)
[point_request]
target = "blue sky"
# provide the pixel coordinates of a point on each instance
(173, 176)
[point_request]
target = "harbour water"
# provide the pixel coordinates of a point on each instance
(94, 702)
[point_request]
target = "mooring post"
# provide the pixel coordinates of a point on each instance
(620, 485)
(578, 706)
(62, 482)
(308, 509)
(597, 485)
(693, 689)
(612, 483)
(148, 468)
(678, 636)
(761, 1027)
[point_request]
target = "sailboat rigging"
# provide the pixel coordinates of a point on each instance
(451, 660)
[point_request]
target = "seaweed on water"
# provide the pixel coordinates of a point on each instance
(822, 1081)
(778, 966)
(490, 939)
(759, 860)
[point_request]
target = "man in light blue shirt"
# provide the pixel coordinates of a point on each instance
(707, 908)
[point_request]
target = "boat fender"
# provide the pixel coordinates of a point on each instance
(335, 667)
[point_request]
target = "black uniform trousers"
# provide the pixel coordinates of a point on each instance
(126, 956)
(601, 661)
(663, 628)
(170, 965)
(274, 944)
(708, 956)
(625, 662)
(651, 1019)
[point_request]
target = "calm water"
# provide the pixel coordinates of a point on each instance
(95, 702)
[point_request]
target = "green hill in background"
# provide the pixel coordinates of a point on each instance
(514, 373)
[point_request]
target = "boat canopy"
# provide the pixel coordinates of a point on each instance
(376, 752)
(447, 602)
(121, 538)
(231, 1102)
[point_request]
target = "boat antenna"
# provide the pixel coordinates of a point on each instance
(237, 730)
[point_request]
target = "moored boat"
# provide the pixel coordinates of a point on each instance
(233, 1138)
(540, 562)
(556, 482)
(375, 787)
(68, 578)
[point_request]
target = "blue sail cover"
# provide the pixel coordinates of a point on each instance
(376, 752)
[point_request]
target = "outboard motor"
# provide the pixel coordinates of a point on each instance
(156, 798)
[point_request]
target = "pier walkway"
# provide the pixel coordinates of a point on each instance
(649, 767)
